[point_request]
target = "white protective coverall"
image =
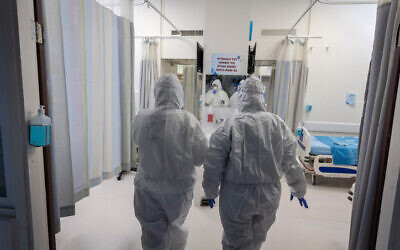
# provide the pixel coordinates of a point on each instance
(247, 156)
(234, 100)
(216, 96)
(171, 143)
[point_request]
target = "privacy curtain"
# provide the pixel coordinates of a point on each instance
(94, 90)
(376, 127)
(73, 34)
(126, 84)
(149, 73)
(290, 82)
(58, 109)
(89, 53)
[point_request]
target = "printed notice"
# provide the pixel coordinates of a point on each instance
(226, 64)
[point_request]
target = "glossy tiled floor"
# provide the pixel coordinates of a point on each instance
(105, 220)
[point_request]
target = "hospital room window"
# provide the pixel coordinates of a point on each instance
(2, 171)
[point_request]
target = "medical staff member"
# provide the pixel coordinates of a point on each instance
(234, 100)
(216, 96)
(171, 143)
(246, 159)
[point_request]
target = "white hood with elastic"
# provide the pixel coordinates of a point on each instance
(168, 92)
(251, 96)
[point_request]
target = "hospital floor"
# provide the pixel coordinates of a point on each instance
(105, 220)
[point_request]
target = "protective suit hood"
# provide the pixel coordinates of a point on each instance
(168, 92)
(217, 83)
(251, 96)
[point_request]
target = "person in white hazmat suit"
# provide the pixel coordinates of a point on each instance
(234, 100)
(171, 143)
(246, 159)
(216, 96)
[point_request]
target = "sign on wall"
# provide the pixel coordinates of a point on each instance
(226, 64)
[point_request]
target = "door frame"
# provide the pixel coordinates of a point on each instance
(16, 208)
(48, 173)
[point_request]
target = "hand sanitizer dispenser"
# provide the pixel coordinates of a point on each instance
(40, 129)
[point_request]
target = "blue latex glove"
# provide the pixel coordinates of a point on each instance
(301, 200)
(211, 202)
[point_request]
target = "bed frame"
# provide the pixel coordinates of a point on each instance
(319, 164)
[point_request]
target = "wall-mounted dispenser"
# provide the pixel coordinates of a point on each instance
(40, 129)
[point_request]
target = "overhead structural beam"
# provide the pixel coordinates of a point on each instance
(163, 16)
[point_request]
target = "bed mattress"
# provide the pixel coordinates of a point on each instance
(344, 150)
(318, 147)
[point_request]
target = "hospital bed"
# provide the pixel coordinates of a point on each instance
(326, 155)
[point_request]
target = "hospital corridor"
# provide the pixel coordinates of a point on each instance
(111, 204)
(199, 125)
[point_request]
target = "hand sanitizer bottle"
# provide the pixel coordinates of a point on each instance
(40, 129)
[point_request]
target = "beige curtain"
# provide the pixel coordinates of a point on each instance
(290, 82)
(149, 73)
(89, 54)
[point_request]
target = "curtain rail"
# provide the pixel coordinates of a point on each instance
(162, 15)
(328, 3)
(301, 17)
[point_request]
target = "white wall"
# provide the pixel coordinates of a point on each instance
(146, 23)
(347, 30)
(339, 63)
(146, 20)
(191, 14)
(186, 15)
(122, 8)
(272, 14)
(226, 32)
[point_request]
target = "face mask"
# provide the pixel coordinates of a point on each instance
(215, 89)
